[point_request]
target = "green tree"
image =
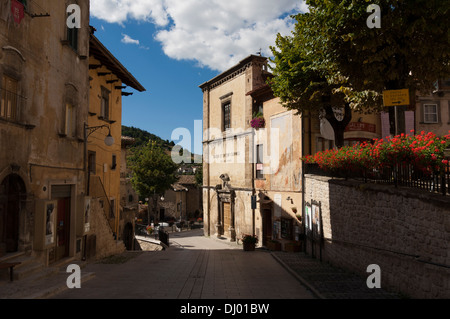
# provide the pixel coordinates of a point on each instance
(153, 171)
(334, 58)
(306, 82)
(411, 49)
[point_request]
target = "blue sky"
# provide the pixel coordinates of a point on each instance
(173, 46)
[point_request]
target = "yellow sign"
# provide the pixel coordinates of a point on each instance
(396, 97)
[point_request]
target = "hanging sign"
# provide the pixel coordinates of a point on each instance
(17, 11)
(396, 97)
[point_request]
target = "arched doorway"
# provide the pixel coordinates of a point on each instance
(12, 195)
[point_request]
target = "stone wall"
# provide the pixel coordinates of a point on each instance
(404, 231)
(106, 245)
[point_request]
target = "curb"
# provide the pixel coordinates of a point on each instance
(299, 278)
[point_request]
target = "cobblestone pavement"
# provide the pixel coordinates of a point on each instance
(328, 282)
(197, 267)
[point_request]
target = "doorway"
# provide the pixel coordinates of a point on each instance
(12, 194)
(62, 194)
(226, 217)
(267, 226)
(63, 228)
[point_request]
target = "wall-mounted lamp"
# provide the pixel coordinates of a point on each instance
(109, 140)
(289, 198)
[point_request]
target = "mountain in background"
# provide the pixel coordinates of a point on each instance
(142, 137)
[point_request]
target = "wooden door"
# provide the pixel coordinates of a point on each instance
(267, 226)
(226, 217)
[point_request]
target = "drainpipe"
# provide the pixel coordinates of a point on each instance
(208, 177)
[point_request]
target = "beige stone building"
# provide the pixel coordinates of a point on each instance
(109, 81)
(241, 162)
(52, 119)
(433, 111)
(44, 97)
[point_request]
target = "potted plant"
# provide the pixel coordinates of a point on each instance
(149, 229)
(273, 245)
(249, 242)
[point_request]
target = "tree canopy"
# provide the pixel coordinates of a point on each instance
(411, 49)
(153, 169)
(333, 59)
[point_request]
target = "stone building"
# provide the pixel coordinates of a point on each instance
(44, 98)
(129, 199)
(252, 148)
(182, 201)
(107, 78)
(432, 113)
(242, 163)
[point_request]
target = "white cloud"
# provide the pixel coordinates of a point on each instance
(127, 39)
(215, 33)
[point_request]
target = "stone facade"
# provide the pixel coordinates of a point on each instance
(404, 231)
(44, 94)
(108, 78)
(241, 162)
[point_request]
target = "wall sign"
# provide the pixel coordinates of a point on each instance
(17, 11)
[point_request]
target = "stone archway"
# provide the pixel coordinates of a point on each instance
(12, 197)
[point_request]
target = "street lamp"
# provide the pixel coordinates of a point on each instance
(109, 140)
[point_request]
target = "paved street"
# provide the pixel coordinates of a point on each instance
(194, 267)
(198, 268)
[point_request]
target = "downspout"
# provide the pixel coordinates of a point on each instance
(208, 177)
(303, 181)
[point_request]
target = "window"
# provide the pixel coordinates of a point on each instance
(322, 144)
(430, 113)
(114, 162)
(72, 37)
(112, 212)
(104, 112)
(24, 2)
(8, 105)
(259, 161)
(70, 127)
(226, 111)
(91, 162)
(258, 109)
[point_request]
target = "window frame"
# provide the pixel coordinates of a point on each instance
(113, 162)
(92, 162)
(9, 112)
(70, 128)
(105, 110)
(226, 115)
(72, 36)
(435, 113)
(259, 173)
